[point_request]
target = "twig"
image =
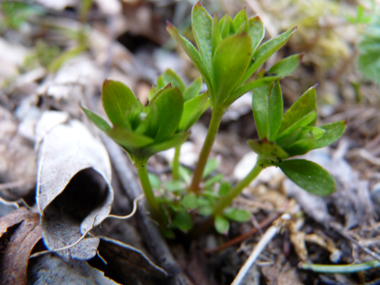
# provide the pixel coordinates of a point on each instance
(267, 237)
(266, 222)
(154, 241)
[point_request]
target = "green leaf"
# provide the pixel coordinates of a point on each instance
(266, 50)
(286, 66)
(333, 131)
(260, 107)
(154, 180)
(192, 110)
(216, 37)
(268, 150)
(275, 109)
(250, 86)
(212, 180)
(201, 22)
(221, 225)
(152, 92)
(304, 143)
(182, 221)
(302, 122)
(237, 215)
(309, 176)
(190, 201)
(369, 56)
(211, 166)
(128, 138)
(226, 26)
(170, 77)
(230, 62)
(205, 210)
(192, 52)
(97, 120)
(193, 90)
(169, 105)
(175, 140)
(303, 106)
(117, 101)
(240, 18)
(224, 188)
(255, 32)
(175, 186)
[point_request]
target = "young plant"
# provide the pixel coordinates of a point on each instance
(142, 130)
(227, 56)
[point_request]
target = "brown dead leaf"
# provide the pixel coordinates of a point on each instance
(280, 276)
(14, 257)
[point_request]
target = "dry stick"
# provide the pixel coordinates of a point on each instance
(267, 237)
(266, 222)
(154, 240)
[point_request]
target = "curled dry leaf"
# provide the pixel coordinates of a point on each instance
(131, 265)
(49, 269)
(19, 233)
(73, 191)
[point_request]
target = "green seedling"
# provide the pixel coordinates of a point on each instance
(229, 56)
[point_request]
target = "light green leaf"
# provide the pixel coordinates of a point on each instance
(154, 180)
(193, 90)
(260, 107)
(216, 37)
(226, 26)
(152, 92)
(268, 150)
(97, 120)
(117, 100)
(302, 122)
(169, 105)
(275, 110)
(192, 110)
(205, 211)
(255, 32)
(213, 179)
(175, 140)
(211, 166)
(190, 201)
(240, 18)
(266, 50)
(128, 139)
(175, 186)
(250, 86)
(333, 131)
(303, 106)
(170, 77)
(304, 143)
(221, 225)
(237, 215)
(230, 62)
(224, 188)
(201, 22)
(286, 66)
(309, 176)
(182, 221)
(192, 52)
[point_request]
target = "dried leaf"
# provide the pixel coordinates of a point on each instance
(74, 193)
(50, 269)
(130, 263)
(18, 245)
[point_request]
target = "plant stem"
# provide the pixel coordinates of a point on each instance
(175, 170)
(236, 190)
(216, 117)
(350, 268)
(148, 191)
